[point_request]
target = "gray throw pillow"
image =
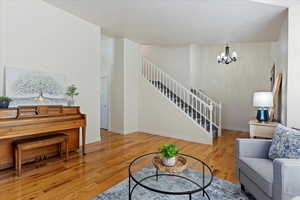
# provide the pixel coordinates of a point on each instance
(279, 144)
(293, 150)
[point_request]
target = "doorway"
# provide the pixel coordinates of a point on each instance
(104, 102)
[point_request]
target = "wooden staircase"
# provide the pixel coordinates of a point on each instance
(207, 114)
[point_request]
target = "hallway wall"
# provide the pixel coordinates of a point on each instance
(122, 61)
(233, 84)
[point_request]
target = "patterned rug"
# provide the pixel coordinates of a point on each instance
(219, 189)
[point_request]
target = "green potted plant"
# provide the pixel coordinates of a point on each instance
(4, 101)
(169, 153)
(71, 93)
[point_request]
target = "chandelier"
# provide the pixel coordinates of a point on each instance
(226, 58)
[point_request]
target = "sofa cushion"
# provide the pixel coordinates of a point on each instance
(279, 144)
(259, 171)
(293, 140)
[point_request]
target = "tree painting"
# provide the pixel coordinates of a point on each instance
(22, 83)
(36, 83)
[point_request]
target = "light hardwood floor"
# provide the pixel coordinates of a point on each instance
(106, 164)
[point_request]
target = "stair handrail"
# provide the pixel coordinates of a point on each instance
(178, 83)
(202, 93)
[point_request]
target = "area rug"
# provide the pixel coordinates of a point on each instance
(219, 189)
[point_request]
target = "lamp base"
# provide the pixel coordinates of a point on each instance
(262, 115)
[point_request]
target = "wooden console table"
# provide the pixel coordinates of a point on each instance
(35, 121)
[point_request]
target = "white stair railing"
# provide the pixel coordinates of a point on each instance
(200, 111)
(216, 111)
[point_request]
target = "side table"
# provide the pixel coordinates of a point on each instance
(262, 129)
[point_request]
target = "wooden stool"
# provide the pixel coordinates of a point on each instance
(33, 143)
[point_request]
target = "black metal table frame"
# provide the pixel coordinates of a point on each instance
(157, 175)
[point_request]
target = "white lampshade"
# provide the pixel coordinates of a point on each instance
(263, 99)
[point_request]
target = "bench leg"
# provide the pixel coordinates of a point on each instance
(19, 162)
(67, 149)
(60, 149)
(16, 158)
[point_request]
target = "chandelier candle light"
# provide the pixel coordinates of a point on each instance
(226, 58)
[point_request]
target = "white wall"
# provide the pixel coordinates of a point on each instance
(131, 76)
(107, 54)
(174, 60)
(279, 55)
(157, 115)
(117, 88)
(233, 84)
(1, 47)
(112, 59)
(107, 63)
(39, 36)
(293, 91)
(122, 60)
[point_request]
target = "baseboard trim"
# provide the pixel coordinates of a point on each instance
(119, 131)
(165, 134)
(230, 130)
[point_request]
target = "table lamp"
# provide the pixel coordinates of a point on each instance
(263, 101)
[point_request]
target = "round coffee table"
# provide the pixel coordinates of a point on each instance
(194, 179)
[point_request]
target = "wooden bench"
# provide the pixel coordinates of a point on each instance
(34, 143)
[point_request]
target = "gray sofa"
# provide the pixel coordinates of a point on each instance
(263, 178)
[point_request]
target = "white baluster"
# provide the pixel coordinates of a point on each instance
(156, 77)
(181, 97)
(147, 71)
(165, 83)
(142, 68)
(151, 73)
(220, 122)
(211, 119)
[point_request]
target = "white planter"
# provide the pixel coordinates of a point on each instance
(170, 162)
(70, 101)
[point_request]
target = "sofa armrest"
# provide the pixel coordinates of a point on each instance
(286, 179)
(252, 148)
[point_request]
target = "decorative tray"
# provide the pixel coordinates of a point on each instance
(181, 164)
